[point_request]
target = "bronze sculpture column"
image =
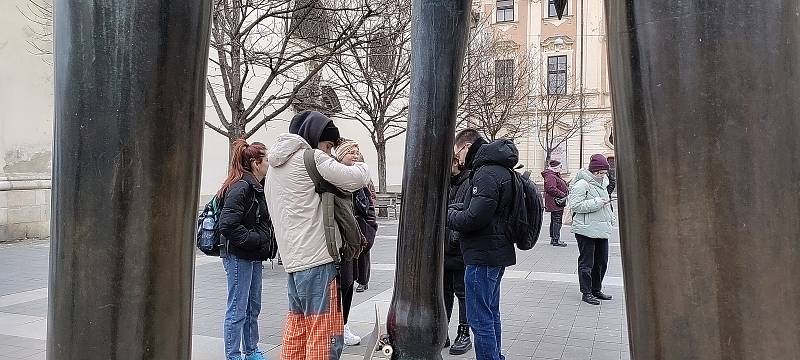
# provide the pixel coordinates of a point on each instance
(417, 320)
(129, 104)
(707, 120)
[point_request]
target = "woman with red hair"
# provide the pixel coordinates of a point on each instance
(248, 239)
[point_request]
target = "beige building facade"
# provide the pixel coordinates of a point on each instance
(578, 41)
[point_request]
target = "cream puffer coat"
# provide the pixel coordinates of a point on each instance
(294, 205)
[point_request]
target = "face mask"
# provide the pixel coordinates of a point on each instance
(599, 178)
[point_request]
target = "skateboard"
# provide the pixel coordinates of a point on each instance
(377, 342)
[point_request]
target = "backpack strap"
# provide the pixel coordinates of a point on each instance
(328, 220)
(310, 162)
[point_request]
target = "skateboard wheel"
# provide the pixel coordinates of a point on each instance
(387, 350)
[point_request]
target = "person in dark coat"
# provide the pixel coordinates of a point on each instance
(367, 219)
(481, 223)
(453, 259)
(555, 188)
(248, 237)
(351, 270)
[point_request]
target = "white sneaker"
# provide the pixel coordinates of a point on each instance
(350, 339)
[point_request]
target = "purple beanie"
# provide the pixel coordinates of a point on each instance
(598, 162)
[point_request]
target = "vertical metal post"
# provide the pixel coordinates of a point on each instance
(708, 139)
(417, 320)
(129, 105)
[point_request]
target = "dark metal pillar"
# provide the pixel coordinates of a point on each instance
(417, 322)
(707, 120)
(129, 104)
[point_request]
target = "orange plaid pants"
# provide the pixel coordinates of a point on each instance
(314, 325)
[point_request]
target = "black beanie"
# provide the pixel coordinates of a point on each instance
(330, 133)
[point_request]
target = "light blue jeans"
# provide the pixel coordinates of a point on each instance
(240, 330)
(482, 285)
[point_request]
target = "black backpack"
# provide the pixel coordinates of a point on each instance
(524, 221)
(208, 239)
(208, 236)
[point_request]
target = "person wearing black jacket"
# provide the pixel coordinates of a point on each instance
(480, 222)
(246, 232)
(453, 259)
(352, 270)
(368, 222)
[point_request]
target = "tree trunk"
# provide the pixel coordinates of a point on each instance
(381, 149)
(548, 158)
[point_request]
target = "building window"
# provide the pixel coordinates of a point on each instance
(557, 75)
(551, 9)
(504, 78)
(505, 10)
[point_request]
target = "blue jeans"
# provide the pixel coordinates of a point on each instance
(240, 330)
(482, 285)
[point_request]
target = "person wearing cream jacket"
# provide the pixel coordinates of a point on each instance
(314, 324)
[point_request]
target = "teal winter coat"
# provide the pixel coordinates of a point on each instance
(586, 199)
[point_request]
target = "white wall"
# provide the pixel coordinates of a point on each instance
(26, 98)
(26, 129)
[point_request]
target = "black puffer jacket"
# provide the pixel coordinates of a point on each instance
(480, 220)
(459, 186)
(244, 222)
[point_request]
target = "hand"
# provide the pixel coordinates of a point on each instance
(458, 207)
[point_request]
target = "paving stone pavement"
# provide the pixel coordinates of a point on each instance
(543, 317)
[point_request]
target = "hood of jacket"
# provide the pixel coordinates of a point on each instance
(499, 152)
(284, 147)
(309, 125)
(547, 172)
(584, 174)
(469, 159)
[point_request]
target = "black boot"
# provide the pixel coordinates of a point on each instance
(590, 299)
(462, 343)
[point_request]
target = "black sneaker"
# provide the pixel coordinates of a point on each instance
(447, 343)
(590, 299)
(601, 296)
(361, 288)
(558, 243)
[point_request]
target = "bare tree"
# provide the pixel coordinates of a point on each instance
(266, 56)
(39, 13)
(495, 84)
(375, 76)
(557, 107)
